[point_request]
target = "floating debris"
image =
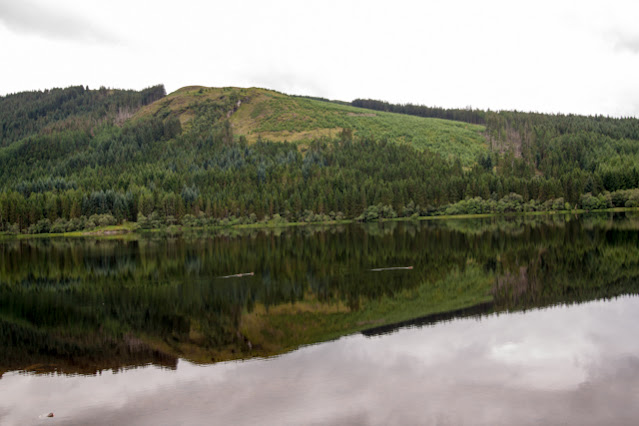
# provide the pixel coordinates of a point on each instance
(394, 268)
(245, 274)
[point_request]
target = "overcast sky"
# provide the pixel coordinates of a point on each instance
(554, 56)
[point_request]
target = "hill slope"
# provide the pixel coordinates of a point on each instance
(30, 113)
(71, 160)
(266, 114)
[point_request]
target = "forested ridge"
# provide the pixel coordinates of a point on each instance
(75, 158)
(29, 113)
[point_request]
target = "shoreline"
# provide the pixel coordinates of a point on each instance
(130, 229)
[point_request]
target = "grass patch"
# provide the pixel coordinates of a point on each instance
(111, 231)
(294, 119)
(271, 115)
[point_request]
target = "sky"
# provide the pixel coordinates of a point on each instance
(549, 56)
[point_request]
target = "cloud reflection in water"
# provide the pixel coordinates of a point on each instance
(577, 364)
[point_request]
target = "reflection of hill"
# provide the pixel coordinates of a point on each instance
(83, 305)
(471, 311)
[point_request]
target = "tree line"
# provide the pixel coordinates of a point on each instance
(468, 115)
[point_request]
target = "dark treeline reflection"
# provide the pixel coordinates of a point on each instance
(79, 306)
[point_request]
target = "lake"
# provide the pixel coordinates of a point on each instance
(480, 321)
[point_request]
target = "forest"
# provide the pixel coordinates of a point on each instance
(74, 159)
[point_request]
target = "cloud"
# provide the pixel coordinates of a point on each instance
(625, 41)
(286, 82)
(585, 374)
(30, 17)
(345, 386)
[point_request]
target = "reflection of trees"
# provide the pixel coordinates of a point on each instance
(511, 287)
(39, 350)
(169, 291)
(581, 261)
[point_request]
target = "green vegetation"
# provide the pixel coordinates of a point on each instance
(268, 115)
(75, 159)
(74, 108)
(467, 115)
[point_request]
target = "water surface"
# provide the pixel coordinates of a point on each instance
(498, 322)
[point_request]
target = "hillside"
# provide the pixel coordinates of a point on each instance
(269, 115)
(73, 159)
(30, 113)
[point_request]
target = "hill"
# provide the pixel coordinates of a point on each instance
(72, 159)
(268, 115)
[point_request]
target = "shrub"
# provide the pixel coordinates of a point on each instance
(43, 226)
(13, 229)
(76, 224)
(189, 220)
(558, 204)
(510, 203)
(633, 199)
(619, 198)
(59, 226)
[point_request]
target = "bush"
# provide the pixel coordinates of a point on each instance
(13, 229)
(409, 209)
(619, 198)
(59, 226)
(373, 213)
(143, 222)
(102, 220)
(189, 220)
(154, 220)
(589, 202)
(633, 199)
(558, 204)
(76, 224)
(42, 227)
(369, 215)
(388, 212)
(532, 206)
(278, 220)
(510, 203)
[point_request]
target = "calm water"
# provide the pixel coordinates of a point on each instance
(497, 322)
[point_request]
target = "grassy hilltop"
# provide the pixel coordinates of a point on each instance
(265, 114)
